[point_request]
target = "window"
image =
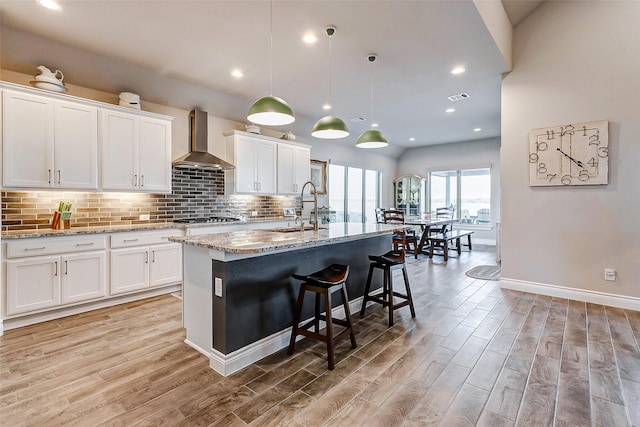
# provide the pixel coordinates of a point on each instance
(354, 193)
(467, 191)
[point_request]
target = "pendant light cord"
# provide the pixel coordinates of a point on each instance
(330, 82)
(271, 48)
(371, 88)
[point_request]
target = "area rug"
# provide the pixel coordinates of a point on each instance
(485, 272)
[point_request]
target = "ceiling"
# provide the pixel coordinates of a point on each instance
(196, 44)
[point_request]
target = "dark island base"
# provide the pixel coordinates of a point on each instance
(259, 294)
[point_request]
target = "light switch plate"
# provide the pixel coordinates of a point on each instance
(217, 285)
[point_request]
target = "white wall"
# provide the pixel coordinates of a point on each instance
(574, 62)
(460, 155)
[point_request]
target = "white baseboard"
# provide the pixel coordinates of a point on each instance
(227, 364)
(488, 242)
(595, 297)
(30, 319)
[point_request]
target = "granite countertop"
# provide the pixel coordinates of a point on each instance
(48, 232)
(256, 241)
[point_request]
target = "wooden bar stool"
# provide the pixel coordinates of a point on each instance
(388, 262)
(323, 283)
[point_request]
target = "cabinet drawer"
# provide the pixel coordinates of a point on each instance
(54, 245)
(125, 240)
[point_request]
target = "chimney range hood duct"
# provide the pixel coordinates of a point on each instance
(199, 157)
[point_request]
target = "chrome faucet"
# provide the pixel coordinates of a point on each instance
(295, 221)
(315, 203)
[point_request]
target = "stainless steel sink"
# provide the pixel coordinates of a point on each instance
(294, 229)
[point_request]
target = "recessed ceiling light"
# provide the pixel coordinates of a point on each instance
(237, 73)
(412, 139)
(450, 110)
(326, 107)
(374, 125)
(50, 4)
(458, 70)
(310, 38)
(477, 129)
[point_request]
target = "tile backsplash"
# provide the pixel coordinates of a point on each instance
(194, 193)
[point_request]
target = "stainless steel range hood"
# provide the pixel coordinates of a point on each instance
(199, 157)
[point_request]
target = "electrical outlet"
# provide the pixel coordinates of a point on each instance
(254, 213)
(610, 274)
(144, 216)
(217, 282)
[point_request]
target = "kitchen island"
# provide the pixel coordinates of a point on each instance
(238, 294)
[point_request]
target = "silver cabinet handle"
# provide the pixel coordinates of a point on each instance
(135, 180)
(153, 256)
(146, 257)
(56, 264)
(58, 176)
(66, 268)
(85, 244)
(141, 180)
(130, 240)
(35, 249)
(49, 175)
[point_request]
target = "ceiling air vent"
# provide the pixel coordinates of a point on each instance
(459, 96)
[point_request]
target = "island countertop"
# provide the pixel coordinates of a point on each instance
(257, 241)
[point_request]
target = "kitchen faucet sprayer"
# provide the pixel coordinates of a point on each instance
(315, 203)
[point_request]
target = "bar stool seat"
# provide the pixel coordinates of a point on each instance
(388, 262)
(323, 283)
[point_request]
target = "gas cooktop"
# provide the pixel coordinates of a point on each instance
(206, 220)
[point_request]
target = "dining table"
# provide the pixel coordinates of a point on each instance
(429, 225)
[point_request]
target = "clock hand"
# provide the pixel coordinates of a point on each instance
(577, 162)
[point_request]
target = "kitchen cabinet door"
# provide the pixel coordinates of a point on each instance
(75, 146)
(32, 284)
(119, 150)
(155, 155)
(266, 167)
(302, 167)
(166, 264)
(27, 140)
(245, 163)
(293, 168)
(129, 269)
(83, 277)
(255, 162)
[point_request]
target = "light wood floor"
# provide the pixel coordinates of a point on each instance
(474, 355)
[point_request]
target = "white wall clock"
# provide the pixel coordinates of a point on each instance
(573, 154)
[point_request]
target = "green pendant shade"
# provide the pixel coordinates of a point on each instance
(371, 139)
(271, 111)
(330, 127)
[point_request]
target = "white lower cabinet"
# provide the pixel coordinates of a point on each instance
(45, 274)
(135, 267)
(83, 277)
(35, 283)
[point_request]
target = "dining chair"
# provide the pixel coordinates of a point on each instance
(484, 216)
(404, 239)
(444, 213)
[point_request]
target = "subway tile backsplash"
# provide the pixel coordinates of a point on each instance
(194, 193)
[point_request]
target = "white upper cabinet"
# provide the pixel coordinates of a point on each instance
(154, 155)
(264, 165)
(136, 152)
(49, 143)
(255, 162)
(293, 168)
(55, 141)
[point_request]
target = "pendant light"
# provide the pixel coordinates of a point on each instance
(330, 127)
(372, 138)
(271, 110)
